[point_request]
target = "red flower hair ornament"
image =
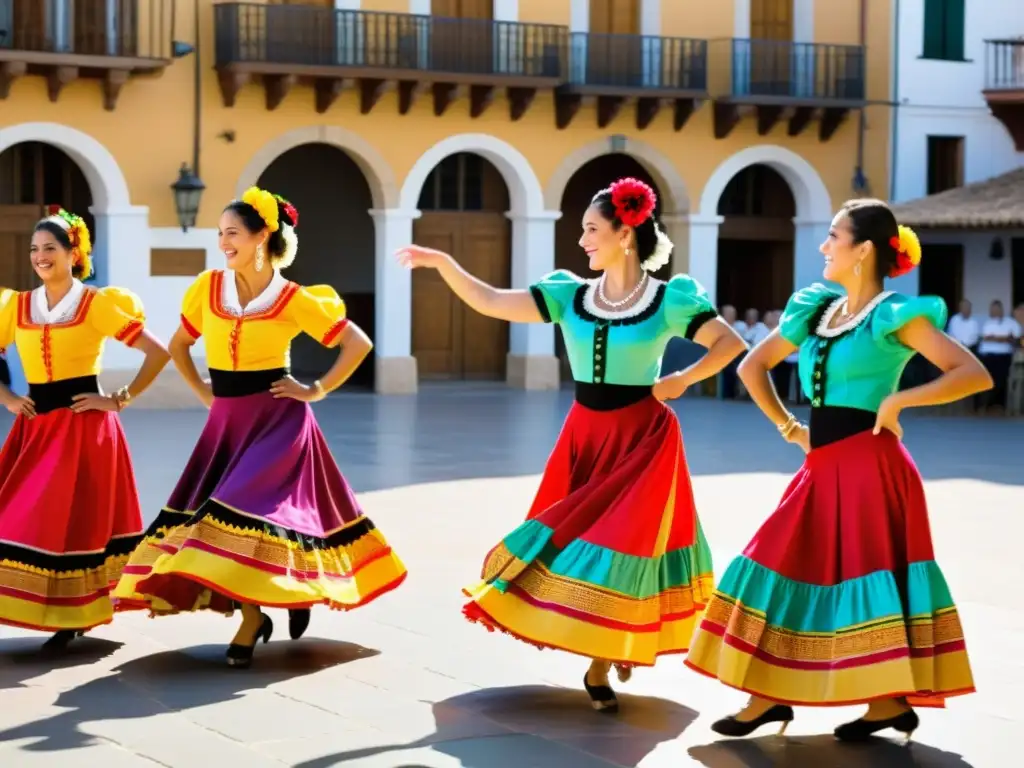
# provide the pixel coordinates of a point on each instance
(634, 201)
(290, 210)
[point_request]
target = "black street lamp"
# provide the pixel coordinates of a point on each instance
(188, 190)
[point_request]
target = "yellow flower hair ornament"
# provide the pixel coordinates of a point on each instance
(265, 205)
(908, 251)
(78, 234)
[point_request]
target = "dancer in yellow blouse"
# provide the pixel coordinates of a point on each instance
(261, 516)
(69, 509)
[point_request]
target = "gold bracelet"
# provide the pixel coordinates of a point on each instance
(319, 389)
(122, 397)
(788, 426)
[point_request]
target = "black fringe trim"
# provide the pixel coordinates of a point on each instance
(698, 322)
(119, 547)
(647, 314)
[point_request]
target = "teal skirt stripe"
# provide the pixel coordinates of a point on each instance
(630, 575)
(801, 607)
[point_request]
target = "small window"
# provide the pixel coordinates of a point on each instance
(455, 184)
(944, 30)
(945, 163)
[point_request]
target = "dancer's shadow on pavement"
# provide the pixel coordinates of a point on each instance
(23, 658)
(822, 752)
(171, 681)
(535, 725)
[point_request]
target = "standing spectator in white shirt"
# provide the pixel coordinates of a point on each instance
(728, 378)
(756, 330)
(1000, 336)
(964, 327)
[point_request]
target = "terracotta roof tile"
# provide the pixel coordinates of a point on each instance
(996, 203)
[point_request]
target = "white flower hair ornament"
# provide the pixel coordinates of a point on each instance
(291, 246)
(662, 252)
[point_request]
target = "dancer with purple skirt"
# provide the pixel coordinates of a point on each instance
(262, 516)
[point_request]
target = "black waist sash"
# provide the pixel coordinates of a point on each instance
(57, 394)
(243, 383)
(832, 423)
(610, 397)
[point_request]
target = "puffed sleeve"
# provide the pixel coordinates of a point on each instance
(117, 313)
(554, 292)
(802, 310)
(899, 310)
(196, 297)
(687, 306)
(8, 316)
(320, 312)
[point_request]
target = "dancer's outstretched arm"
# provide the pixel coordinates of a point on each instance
(515, 306)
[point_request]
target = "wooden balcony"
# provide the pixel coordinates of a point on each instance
(284, 45)
(643, 69)
(777, 80)
(64, 40)
(1004, 85)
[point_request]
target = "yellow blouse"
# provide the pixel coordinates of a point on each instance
(73, 347)
(261, 339)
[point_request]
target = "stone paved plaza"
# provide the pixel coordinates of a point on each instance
(406, 683)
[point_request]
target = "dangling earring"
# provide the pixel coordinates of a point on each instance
(629, 251)
(259, 257)
(856, 269)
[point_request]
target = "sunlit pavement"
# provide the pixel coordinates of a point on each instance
(406, 682)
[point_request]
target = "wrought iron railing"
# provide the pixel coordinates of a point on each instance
(638, 62)
(1004, 65)
(325, 37)
(781, 69)
(127, 28)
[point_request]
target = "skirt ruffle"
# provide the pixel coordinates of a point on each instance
(611, 562)
(838, 599)
(274, 523)
(69, 519)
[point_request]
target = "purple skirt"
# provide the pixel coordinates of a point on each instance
(261, 515)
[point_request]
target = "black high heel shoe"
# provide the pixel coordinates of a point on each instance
(730, 726)
(602, 697)
(298, 622)
(240, 656)
(60, 640)
(862, 730)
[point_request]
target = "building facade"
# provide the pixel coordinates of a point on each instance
(958, 85)
(478, 126)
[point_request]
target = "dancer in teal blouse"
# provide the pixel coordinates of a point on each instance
(611, 563)
(838, 598)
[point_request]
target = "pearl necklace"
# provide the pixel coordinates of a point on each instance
(629, 297)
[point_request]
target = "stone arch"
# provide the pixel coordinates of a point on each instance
(106, 181)
(813, 202)
(525, 195)
(378, 173)
(675, 197)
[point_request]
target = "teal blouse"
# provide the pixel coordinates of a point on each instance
(621, 347)
(857, 364)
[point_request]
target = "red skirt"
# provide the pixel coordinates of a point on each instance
(611, 562)
(838, 599)
(69, 519)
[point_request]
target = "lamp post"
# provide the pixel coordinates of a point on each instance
(188, 190)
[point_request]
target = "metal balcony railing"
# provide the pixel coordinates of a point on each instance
(115, 28)
(1004, 65)
(781, 70)
(323, 37)
(637, 62)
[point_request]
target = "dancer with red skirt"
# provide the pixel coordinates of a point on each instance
(611, 563)
(838, 598)
(261, 516)
(69, 508)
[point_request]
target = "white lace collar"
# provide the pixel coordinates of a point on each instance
(261, 303)
(642, 304)
(825, 331)
(63, 311)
